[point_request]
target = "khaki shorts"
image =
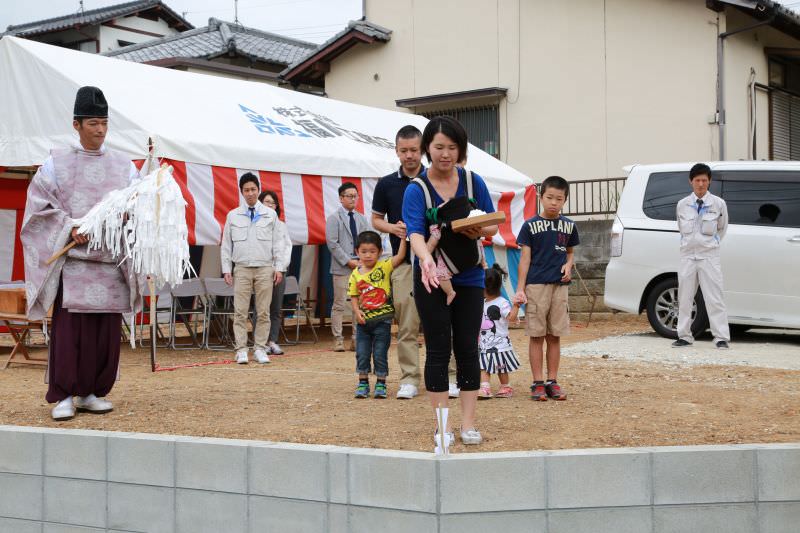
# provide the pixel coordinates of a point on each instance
(547, 311)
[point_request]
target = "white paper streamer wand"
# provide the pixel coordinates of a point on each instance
(144, 223)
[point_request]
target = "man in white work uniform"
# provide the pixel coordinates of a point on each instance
(702, 221)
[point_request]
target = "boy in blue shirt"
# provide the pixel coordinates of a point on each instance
(545, 271)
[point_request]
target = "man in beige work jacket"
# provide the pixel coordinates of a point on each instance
(702, 222)
(251, 248)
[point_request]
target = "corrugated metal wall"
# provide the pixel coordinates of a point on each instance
(784, 110)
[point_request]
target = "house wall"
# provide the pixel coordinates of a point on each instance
(661, 82)
(593, 85)
(109, 37)
(85, 36)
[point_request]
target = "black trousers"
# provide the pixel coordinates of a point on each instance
(450, 328)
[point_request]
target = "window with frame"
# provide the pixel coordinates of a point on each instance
(665, 189)
(770, 198)
(482, 124)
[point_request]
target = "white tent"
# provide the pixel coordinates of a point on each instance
(212, 130)
(199, 118)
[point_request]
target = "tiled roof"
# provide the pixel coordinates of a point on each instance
(356, 31)
(218, 38)
(363, 26)
(777, 15)
(97, 16)
(369, 28)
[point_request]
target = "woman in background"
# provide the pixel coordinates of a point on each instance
(270, 199)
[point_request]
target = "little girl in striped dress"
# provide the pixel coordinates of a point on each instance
(497, 353)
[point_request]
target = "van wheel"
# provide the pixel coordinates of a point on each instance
(662, 310)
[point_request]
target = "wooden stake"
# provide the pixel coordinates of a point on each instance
(442, 430)
(151, 282)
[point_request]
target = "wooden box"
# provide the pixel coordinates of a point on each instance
(489, 219)
(12, 300)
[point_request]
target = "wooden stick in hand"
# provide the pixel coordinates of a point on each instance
(61, 252)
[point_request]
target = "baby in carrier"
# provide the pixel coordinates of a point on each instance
(438, 226)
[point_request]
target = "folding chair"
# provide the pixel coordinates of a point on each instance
(163, 316)
(219, 314)
(20, 328)
(293, 290)
(190, 316)
(125, 332)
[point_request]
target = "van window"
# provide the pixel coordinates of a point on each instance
(762, 198)
(664, 191)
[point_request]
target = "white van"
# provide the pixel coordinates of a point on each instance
(760, 252)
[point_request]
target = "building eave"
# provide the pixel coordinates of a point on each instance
(459, 96)
(784, 19)
(207, 64)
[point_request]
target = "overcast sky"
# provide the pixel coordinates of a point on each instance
(310, 20)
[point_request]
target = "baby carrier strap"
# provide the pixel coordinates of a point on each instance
(426, 189)
(470, 185)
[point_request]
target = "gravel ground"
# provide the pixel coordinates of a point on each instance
(759, 348)
(306, 396)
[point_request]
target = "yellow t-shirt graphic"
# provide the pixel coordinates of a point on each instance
(374, 291)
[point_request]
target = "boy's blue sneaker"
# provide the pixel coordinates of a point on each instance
(362, 391)
(380, 390)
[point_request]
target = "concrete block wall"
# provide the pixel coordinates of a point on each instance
(591, 258)
(58, 481)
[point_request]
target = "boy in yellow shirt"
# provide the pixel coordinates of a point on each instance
(370, 293)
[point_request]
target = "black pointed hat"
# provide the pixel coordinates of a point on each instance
(90, 102)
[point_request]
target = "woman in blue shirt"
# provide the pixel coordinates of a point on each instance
(454, 327)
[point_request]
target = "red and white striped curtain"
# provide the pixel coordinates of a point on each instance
(307, 201)
(211, 191)
(12, 207)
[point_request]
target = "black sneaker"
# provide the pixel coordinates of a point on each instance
(680, 343)
(722, 345)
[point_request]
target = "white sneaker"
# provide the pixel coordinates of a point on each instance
(93, 404)
(406, 392)
(274, 348)
(64, 410)
(261, 356)
(454, 391)
(471, 436)
(241, 357)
